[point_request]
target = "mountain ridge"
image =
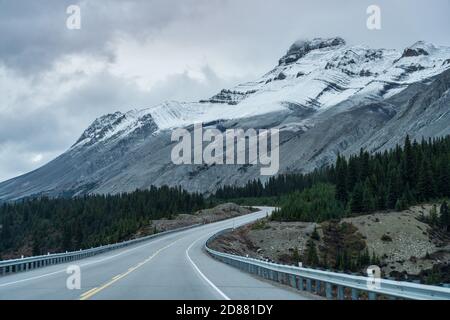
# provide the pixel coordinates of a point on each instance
(324, 96)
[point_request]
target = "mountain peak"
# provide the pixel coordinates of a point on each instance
(420, 48)
(301, 47)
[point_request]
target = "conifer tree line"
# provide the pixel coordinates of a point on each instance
(413, 173)
(55, 225)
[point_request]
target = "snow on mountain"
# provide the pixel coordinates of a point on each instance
(327, 97)
(315, 74)
(114, 126)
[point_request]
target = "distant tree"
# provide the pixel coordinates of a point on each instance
(315, 234)
(356, 200)
(296, 256)
(312, 259)
(445, 216)
(341, 179)
(433, 215)
(408, 165)
(444, 177)
(425, 183)
(393, 188)
(368, 198)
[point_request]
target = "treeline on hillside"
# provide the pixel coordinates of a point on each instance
(395, 179)
(275, 186)
(317, 203)
(418, 172)
(54, 225)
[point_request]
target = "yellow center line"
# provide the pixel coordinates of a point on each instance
(87, 292)
(94, 291)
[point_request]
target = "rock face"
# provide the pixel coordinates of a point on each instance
(324, 96)
(300, 48)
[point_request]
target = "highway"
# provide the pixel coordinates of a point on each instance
(174, 267)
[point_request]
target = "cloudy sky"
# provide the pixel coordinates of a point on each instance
(132, 54)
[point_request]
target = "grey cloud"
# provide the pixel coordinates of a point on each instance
(33, 33)
(251, 33)
(55, 127)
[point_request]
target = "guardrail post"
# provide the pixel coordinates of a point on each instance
(308, 285)
(355, 294)
(340, 293)
(372, 296)
(318, 287)
(329, 290)
(300, 284)
(292, 281)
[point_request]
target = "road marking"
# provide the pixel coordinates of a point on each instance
(151, 241)
(81, 265)
(89, 294)
(201, 273)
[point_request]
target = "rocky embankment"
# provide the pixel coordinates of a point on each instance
(406, 246)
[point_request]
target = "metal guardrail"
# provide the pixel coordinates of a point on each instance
(29, 263)
(329, 283)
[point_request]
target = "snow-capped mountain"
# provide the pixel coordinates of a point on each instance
(316, 74)
(325, 95)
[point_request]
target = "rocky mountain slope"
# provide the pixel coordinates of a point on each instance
(325, 97)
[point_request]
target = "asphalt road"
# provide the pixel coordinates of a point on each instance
(173, 267)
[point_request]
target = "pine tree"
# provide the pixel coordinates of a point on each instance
(364, 158)
(445, 216)
(356, 200)
(341, 180)
(315, 234)
(312, 259)
(401, 204)
(353, 173)
(425, 186)
(393, 189)
(368, 200)
(433, 215)
(374, 260)
(296, 256)
(408, 166)
(444, 177)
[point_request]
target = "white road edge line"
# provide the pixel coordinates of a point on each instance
(201, 273)
(105, 259)
(83, 264)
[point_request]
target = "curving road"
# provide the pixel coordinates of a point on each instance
(173, 267)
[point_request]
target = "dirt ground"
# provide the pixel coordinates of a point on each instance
(266, 240)
(221, 212)
(405, 244)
